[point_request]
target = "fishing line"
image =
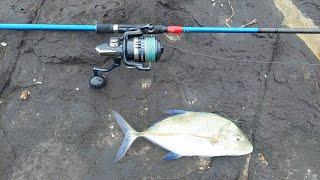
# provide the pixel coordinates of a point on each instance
(236, 60)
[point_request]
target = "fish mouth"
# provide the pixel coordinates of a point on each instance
(242, 149)
(248, 149)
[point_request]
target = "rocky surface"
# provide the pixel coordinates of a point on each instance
(64, 130)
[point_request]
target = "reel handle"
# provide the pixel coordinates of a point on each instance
(98, 80)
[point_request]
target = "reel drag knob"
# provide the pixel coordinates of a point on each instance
(98, 81)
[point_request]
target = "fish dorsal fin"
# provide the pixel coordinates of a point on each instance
(171, 156)
(174, 111)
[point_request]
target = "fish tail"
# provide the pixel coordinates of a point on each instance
(130, 135)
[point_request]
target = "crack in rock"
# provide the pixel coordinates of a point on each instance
(266, 85)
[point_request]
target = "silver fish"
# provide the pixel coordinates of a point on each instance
(189, 134)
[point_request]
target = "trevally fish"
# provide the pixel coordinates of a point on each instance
(189, 133)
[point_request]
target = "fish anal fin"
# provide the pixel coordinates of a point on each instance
(174, 111)
(171, 156)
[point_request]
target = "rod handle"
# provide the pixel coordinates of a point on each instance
(122, 28)
(290, 30)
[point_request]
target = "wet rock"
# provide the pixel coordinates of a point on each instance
(64, 129)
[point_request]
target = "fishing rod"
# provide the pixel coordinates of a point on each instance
(137, 48)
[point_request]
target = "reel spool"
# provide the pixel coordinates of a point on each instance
(134, 49)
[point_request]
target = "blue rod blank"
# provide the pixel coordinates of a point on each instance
(48, 27)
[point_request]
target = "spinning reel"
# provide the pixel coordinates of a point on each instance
(134, 49)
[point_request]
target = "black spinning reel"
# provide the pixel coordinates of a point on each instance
(134, 49)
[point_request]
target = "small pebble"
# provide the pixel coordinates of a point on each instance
(193, 101)
(204, 168)
(204, 164)
(262, 158)
(24, 95)
(265, 76)
(37, 82)
(221, 5)
(4, 44)
(38, 114)
(146, 109)
(146, 83)
(77, 89)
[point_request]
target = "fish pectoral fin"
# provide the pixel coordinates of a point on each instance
(174, 111)
(213, 139)
(171, 156)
